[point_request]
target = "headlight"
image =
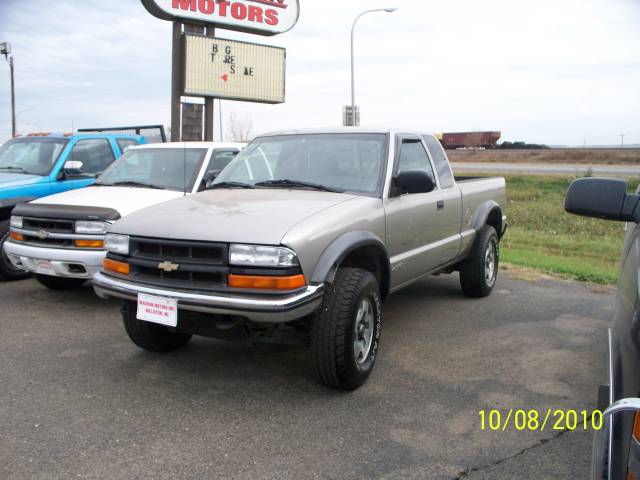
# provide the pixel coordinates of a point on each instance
(92, 228)
(16, 222)
(117, 244)
(259, 256)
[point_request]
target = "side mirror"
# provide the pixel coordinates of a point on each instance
(210, 176)
(71, 168)
(604, 198)
(414, 181)
(73, 165)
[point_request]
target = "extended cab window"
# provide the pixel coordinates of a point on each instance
(413, 156)
(222, 158)
(95, 154)
(440, 160)
(125, 143)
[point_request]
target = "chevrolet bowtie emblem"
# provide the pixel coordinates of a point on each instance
(41, 234)
(167, 266)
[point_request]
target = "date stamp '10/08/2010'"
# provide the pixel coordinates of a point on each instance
(540, 421)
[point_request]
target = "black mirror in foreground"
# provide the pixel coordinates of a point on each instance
(604, 198)
(414, 181)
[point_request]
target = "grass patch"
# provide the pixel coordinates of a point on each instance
(543, 236)
(576, 155)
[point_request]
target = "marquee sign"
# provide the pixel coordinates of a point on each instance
(262, 17)
(232, 70)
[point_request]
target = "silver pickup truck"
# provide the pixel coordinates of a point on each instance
(306, 229)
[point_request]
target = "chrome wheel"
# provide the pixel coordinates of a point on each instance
(490, 264)
(363, 330)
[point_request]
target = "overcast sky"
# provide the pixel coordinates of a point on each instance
(548, 71)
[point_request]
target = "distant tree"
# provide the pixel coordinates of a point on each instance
(240, 128)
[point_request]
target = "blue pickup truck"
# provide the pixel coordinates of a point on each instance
(42, 164)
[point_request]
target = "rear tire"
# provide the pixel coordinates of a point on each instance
(345, 332)
(7, 270)
(60, 283)
(151, 336)
(479, 272)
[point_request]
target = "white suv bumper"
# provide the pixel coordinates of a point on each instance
(58, 262)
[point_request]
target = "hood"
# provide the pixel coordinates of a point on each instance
(8, 179)
(261, 216)
(124, 200)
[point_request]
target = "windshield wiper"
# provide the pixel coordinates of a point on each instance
(130, 184)
(298, 183)
(16, 169)
(230, 185)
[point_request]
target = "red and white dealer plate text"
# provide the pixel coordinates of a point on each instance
(157, 310)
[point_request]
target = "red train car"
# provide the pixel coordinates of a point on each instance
(470, 139)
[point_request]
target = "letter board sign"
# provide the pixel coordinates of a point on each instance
(232, 70)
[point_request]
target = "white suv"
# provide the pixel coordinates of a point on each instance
(60, 238)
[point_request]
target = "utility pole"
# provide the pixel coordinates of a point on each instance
(13, 99)
(5, 49)
(622, 135)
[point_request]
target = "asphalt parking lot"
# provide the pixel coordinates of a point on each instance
(79, 400)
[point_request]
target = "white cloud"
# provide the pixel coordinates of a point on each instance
(552, 71)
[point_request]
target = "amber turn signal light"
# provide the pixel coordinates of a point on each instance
(115, 266)
(266, 283)
(636, 428)
(18, 237)
(89, 243)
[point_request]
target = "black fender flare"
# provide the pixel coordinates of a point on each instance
(333, 256)
(483, 213)
(7, 205)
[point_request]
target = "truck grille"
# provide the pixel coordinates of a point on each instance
(52, 226)
(179, 264)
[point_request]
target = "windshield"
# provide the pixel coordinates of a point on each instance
(351, 162)
(166, 168)
(34, 156)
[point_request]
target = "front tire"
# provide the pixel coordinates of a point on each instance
(479, 272)
(345, 334)
(60, 283)
(7, 270)
(151, 336)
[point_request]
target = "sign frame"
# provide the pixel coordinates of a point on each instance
(230, 97)
(195, 18)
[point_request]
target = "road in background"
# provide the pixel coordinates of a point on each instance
(78, 399)
(547, 169)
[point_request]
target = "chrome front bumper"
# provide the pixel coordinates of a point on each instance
(73, 263)
(258, 308)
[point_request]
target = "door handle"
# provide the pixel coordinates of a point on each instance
(440, 204)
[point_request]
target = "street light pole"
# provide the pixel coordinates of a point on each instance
(5, 49)
(13, 100)
(353, 79)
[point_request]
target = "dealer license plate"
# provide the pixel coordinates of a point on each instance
(157, 310)
(44, 267)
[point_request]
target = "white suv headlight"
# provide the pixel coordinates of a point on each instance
(260, 256)
(117, 244)
(92, 228)
(16, 222)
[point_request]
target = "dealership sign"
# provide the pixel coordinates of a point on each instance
(232, 70)
(262, 17)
